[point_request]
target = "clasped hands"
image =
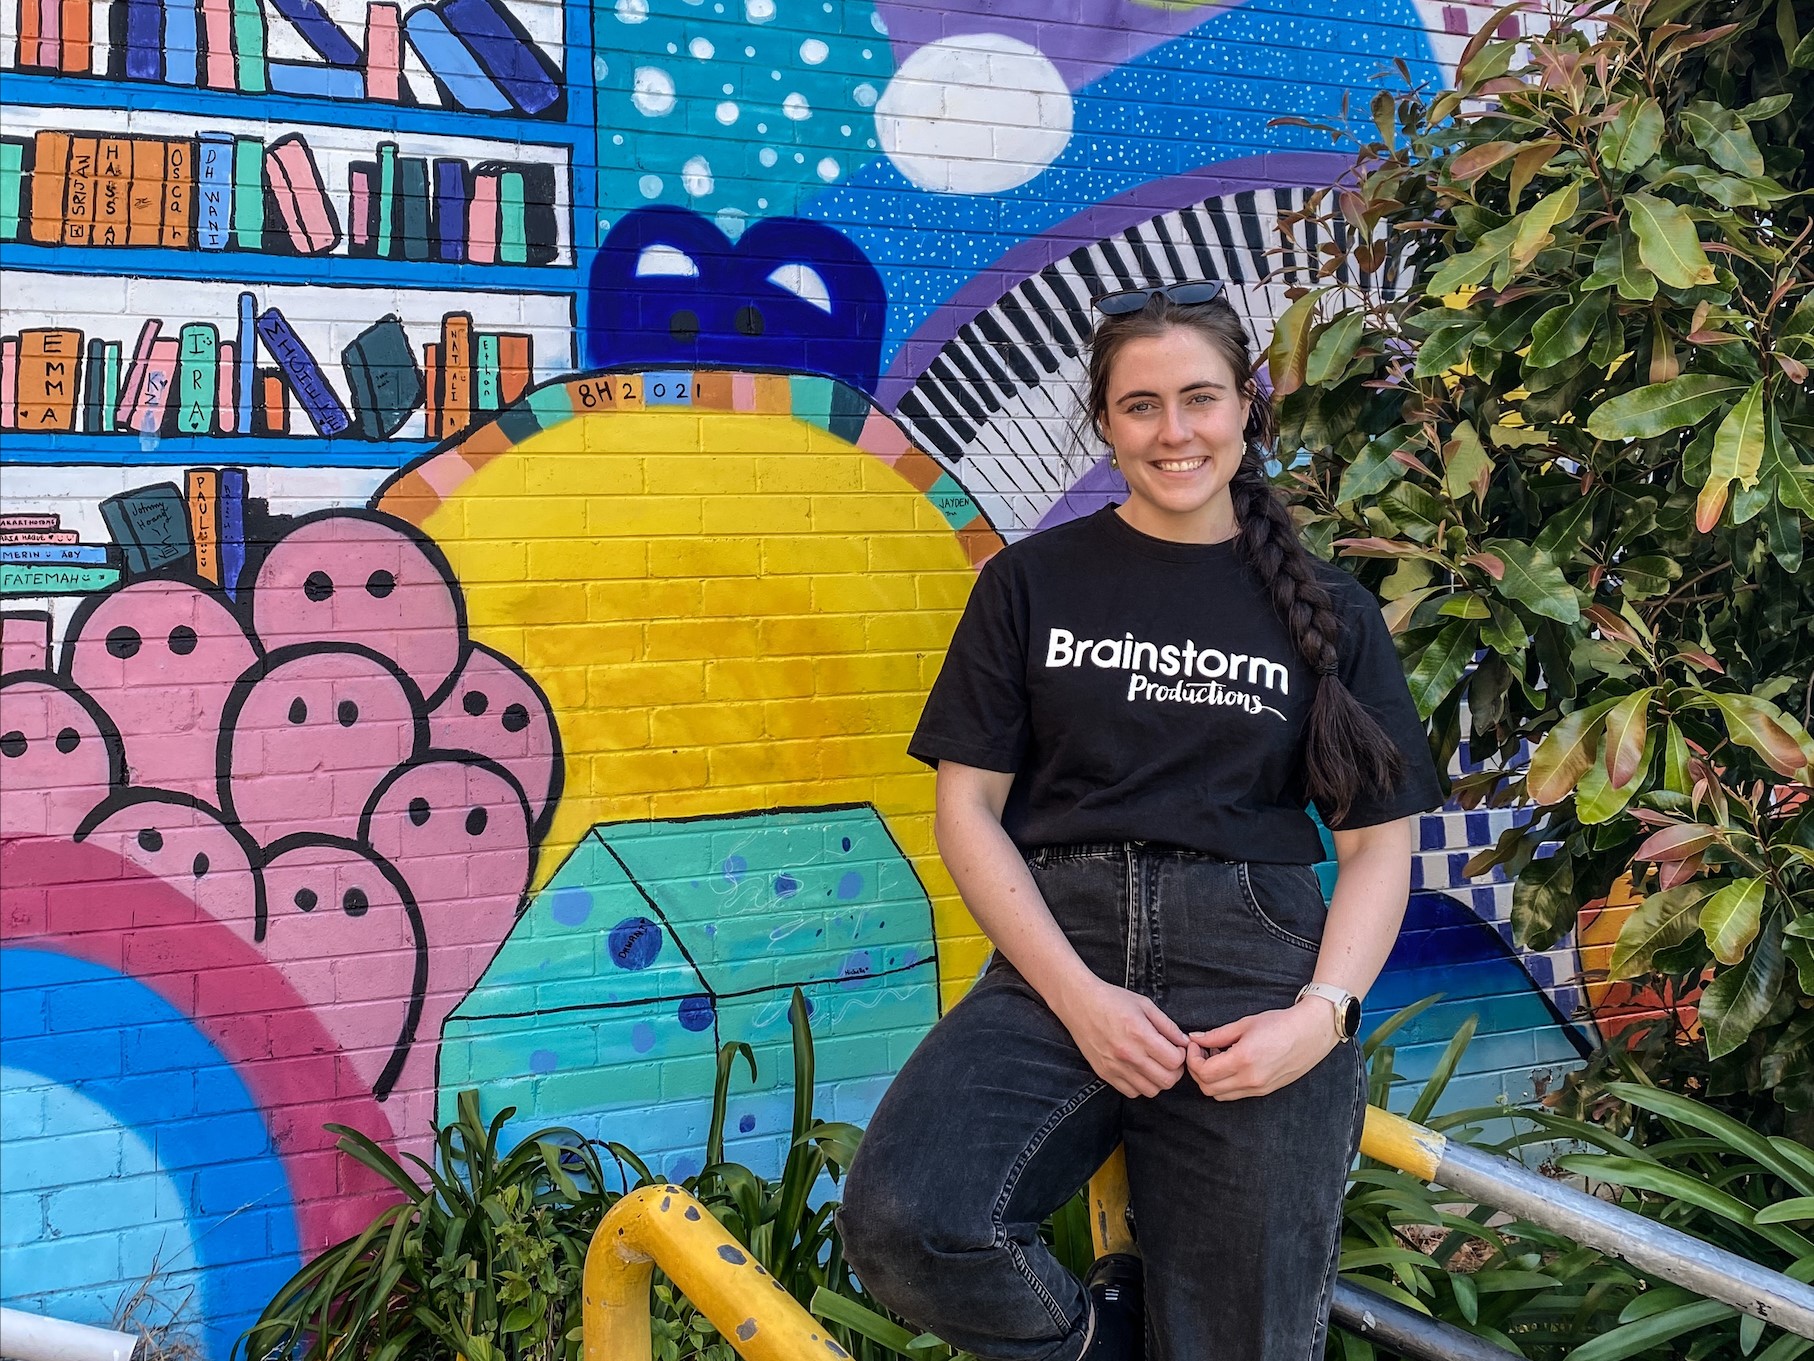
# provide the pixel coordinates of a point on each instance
(1140, 1051)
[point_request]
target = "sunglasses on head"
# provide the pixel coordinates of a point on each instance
(1133, 299)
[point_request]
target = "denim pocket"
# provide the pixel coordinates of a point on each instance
(1287, 900)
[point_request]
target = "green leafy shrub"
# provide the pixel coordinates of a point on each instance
(1578, 445)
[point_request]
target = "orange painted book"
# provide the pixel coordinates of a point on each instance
(47, 381)
(79, 194)
(274, 399)
(49, 183)
(74, 41)
(145, 194)
(201, 487)
(513, 366)
(431, 389)
(113, 181)
(456, 372)
(31, 31)
(179, 193)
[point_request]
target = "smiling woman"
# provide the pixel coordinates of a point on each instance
(1131, 849)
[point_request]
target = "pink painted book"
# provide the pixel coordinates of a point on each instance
(302, 199)
(384, 51)
(41, 536)
(154, 395)
(9, 383)
(217, 41)
(134, 383)
(482, 222)
(226, 408)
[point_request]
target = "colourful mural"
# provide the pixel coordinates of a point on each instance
(486, 488)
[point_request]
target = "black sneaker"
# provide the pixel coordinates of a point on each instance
(1117, 1301)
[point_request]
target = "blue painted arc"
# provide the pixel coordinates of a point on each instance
(235, 1136)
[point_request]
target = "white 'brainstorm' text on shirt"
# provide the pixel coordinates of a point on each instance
(1065, 649)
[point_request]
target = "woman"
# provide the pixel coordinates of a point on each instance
(1135, 710)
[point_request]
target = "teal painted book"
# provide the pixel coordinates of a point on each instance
(249, 193)
(197, 376)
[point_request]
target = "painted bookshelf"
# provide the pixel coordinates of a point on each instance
(304, 233)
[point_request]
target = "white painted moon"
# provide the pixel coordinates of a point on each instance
(974, 114)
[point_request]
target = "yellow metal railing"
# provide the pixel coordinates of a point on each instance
(663, 1225)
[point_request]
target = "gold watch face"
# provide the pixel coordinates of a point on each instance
(1348, 1016)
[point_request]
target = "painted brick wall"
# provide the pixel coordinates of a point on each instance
(485, 490)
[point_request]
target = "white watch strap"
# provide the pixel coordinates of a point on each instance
(1338, 999)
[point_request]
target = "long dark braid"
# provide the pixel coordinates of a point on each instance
(1346, 751)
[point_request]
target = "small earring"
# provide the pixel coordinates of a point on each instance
(1113, 461)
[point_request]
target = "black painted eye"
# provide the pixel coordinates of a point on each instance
(476, 820)
(150, 839)
(318, 587)
(305, 899)
(182, 640)
(684, 325)
(199, 865)
(476, 702)
(347, 713)
(380, 584)
(515, 718)
(12, 743)
(68, 740)
(124, 641)
(418, 811)
(354, 903)
(749, 321)
(299, 711)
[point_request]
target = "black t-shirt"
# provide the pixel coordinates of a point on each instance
(1145, 690)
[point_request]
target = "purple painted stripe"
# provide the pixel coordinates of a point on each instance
(1275, 170)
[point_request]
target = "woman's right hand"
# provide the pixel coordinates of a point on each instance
(1130, 1044)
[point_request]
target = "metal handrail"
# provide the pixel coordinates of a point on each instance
(663, 1225)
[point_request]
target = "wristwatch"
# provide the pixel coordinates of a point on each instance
(1347, 1007)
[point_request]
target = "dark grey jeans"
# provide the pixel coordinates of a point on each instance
(996, 1120)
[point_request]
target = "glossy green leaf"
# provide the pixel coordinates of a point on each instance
(1760, 725)
(1735, 1001)
(1535, 581)
(1376, 468)
(1563, 756)
(1540, 220)
(1634, 135)
(1729, 919)
(1289, 352)
(1667, 243)
(1466, 465)
(1441, 665)
(1544, 902)
(1442, 350)
(1563, 331)
(1463, 271)
(1660, 921)
(1661, 407)
(1724, 137)
(1634, 1339)
(1627, 727)
(1334, 347)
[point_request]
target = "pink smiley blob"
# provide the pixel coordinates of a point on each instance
(342, 929)
(161, 658)
(495, 710)
(188, 846)
(309, 733)
(357, 577)
(59, 756)
(457, 829)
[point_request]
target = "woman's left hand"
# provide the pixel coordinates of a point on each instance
(1261, 1053)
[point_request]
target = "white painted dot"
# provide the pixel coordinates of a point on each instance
(650, 185)
(600, 70)
(844, 129)
(762, 127)
(758, 11)
(701, 48)
(975, 114)
(796, 107)
(725, 113)
(867, 54)
(617, 139)
(878, 24)
(632, 11)
(872, 143)
(774, 75)
(762, 203)
(732, 221)
(799, 158)
(673, 49)
(864, 94)
(696, 176)
(767, 155)
(749, 51)
(813, 51)
(652, 91)
(727, 89)
(828, 170)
